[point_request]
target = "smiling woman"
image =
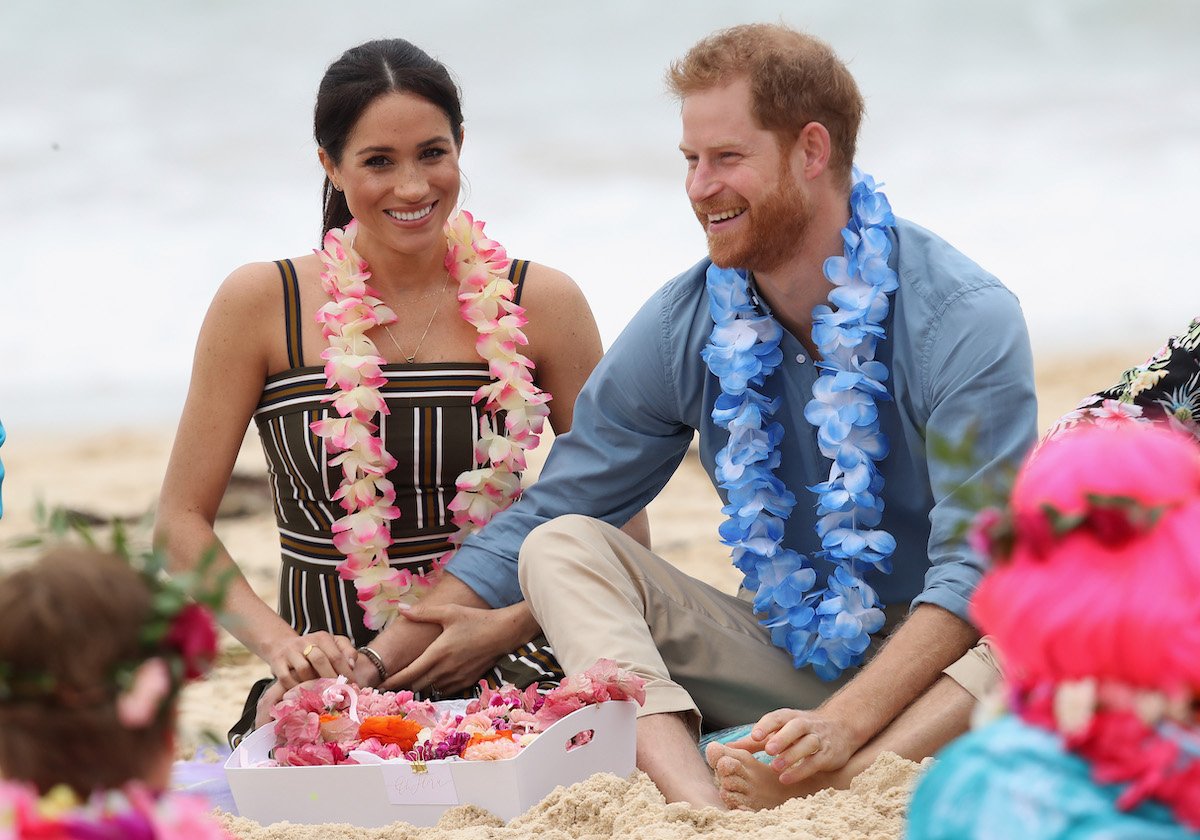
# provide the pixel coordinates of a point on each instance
(414, 431)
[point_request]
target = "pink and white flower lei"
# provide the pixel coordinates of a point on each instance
(353, 366)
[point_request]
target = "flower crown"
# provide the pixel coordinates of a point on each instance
(1112, 520)
(178, 641)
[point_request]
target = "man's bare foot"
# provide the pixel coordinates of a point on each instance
(747, 784)
(666, 752)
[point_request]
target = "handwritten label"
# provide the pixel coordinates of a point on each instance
(434, 785)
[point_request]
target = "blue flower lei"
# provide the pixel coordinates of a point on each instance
(830, 627)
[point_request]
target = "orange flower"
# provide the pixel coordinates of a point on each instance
(485, 737)
(390, 729)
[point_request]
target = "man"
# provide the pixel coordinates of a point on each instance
(770, 117)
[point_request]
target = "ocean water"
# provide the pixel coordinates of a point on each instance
(147, 149)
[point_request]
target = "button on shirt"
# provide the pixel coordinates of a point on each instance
(958, 352)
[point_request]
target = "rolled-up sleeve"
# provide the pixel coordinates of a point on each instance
(625, 442)
(978, 381)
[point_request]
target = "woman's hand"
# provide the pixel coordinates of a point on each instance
(471, 640)
(299, 658)
(266, 701)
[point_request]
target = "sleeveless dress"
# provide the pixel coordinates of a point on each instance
(431, 432)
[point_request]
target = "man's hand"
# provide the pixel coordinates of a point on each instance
(802, 743)
(470, 641)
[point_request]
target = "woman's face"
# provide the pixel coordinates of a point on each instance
(400, 173)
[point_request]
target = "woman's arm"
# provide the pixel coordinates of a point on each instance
(228, 373)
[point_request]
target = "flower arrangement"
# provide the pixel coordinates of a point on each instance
(328, 721)
(827, 627)
(353, 368)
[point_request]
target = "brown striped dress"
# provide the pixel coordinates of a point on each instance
(431, 432)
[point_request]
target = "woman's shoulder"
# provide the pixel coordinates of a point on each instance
(559, 318)
(261, 283)
(549, 293)
(542, 282)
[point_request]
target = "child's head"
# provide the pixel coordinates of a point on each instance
(91, 660)
(1100, 574)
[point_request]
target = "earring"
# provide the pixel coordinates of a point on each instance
(337, 188)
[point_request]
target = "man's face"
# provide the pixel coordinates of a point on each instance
(740, 182)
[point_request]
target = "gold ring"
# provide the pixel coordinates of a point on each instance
(307, 651)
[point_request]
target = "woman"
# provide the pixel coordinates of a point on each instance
(354, 485)
(87, 718)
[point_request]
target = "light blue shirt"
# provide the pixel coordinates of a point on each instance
(959, 357)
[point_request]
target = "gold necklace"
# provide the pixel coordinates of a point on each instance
(407, 358)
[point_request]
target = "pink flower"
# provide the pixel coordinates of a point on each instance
(312, 755)
(338, 727)
(348, 371)
(982, 533)
(296, 726)
(1112, 413)
(619, 683)
(361, 402)
(138, 706)
(194, 634)
(341, 433)
(497, 750)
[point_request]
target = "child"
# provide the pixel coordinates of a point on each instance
(1094, 606)
(92, 657)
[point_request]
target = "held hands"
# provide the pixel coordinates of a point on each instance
(802, 743)
(471, 640)
(320, 654)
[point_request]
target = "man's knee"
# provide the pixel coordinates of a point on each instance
(978, 671)
(549, 544)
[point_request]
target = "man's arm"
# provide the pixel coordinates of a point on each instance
(626, 440)
(978, 380)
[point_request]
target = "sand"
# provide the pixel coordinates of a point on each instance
(118, 474)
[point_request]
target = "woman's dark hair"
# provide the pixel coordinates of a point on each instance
(358, 78)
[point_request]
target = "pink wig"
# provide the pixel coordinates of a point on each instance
(1096, 588)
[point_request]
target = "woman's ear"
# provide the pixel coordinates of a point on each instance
(330, 168)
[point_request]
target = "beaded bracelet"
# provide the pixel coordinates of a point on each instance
(376, 660)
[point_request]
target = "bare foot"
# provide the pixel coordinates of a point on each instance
(747, 784)
(666, 752)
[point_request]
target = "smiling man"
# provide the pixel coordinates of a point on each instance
(817, 350)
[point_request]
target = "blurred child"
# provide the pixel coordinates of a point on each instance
(1094, 606)
(92, 656)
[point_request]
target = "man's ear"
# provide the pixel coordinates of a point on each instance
(810, 154)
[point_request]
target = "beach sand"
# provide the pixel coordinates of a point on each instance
(118, 474)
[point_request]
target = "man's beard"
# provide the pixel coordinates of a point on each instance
(776, 228)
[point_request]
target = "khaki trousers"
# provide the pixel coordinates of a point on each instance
(598, 593)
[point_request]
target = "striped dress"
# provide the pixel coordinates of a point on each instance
(431, 432)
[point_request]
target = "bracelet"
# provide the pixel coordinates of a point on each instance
(376, 660)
